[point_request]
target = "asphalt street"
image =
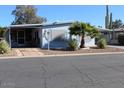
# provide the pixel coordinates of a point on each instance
(94, 71)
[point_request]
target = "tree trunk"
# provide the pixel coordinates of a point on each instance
(82, 42)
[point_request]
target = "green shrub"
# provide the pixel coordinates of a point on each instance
(2, 31)
(101, 43)
(121, 39)
(4, 47)
(73, 44)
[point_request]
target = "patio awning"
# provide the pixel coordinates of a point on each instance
(50, 25)
(25, 26)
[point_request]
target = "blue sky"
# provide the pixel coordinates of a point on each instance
(93, 14)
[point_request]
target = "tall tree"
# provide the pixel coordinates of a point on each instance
(26, 14)
(82, 29)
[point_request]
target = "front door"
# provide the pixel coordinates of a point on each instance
(21, 38)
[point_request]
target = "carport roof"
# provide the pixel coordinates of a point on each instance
(40, 25)
(25, 25)
(111, 30)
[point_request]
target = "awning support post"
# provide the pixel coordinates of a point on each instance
(10, 38)
(48, 33)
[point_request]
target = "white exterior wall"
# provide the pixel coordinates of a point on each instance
(60, 31)
(89, 41)
(54, 33)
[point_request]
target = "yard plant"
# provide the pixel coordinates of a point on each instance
(83, 29)
(2, 32)
(121, 39)
(4, 47)
(101, 43)
(73, 44)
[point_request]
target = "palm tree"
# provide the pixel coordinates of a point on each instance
(82, 29)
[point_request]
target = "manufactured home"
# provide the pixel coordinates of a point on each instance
(111, 35)
(54, 35)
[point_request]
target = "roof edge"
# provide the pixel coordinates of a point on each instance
(38, 25)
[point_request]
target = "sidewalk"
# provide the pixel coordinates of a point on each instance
(34, 52)
(83, 51)
(37, 52)
(63, 55)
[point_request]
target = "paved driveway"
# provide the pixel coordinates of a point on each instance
(75, 71)
(116, 46)
(28, 51)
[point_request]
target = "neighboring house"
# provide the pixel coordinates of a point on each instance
(111, 35)
(55, 35)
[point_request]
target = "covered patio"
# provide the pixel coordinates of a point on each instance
(111, 35)
(53, 35)
(24, 35)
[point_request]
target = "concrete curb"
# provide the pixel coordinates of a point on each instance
(62, 55)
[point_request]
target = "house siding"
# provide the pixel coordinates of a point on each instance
(58, 37)
(88, 41)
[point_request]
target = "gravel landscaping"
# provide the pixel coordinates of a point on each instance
(61, 51)
(91, 50)
(12, 53)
